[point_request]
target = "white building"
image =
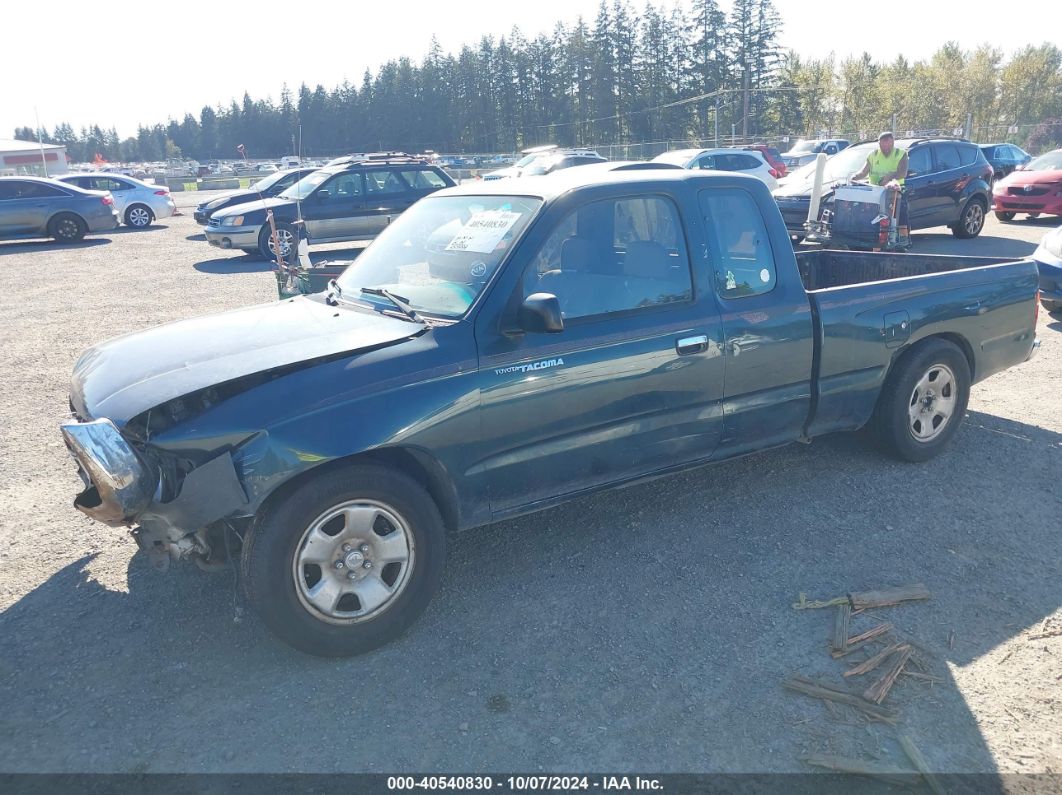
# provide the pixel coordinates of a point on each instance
(24, 157)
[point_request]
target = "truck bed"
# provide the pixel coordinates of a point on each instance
(868, 307)
(827, 268)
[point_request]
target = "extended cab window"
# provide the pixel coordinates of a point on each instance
(744, 265)
(613, 256)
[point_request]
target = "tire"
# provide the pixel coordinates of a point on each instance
(286, 233)
(308, 605)
(67, 228)
(906, 426)
(1051, 307)
(1005, 217)
(971, 220)
(138, 216)
(1033, 216)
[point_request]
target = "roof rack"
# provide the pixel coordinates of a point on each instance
(383, 158)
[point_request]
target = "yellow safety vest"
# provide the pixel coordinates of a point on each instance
(881, 164)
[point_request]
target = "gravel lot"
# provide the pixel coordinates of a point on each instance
(645, 629)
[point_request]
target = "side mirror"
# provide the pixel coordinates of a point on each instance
(541, 314)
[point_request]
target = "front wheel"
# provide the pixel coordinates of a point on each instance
(923, 401)
(971, 221)
(346, 562)
(286, 237)
(1005, 217)
(67, 228)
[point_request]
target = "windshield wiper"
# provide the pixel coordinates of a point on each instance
(398, 301)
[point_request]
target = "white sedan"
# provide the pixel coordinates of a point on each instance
(744, 161)
(138, 203)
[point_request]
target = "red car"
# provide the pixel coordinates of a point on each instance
(1035, 188)
(772, 156)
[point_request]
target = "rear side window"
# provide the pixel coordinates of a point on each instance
(947, 156)
(744, 262)
(107, 183)
(423, 179)
(34, 190)
(383, 182)
(968, 154)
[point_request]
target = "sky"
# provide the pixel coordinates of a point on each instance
(117, 69)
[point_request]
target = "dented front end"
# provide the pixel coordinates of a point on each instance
(119, 484)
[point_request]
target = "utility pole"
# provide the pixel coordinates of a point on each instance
(745, 113)
(717, 121)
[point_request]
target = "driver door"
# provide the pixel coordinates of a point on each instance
(336, 210)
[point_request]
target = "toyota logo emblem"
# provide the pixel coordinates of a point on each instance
(1028, 188)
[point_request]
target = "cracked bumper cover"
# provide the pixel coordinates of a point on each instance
(122, 488)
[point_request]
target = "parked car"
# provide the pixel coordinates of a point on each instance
(745, 162)
(37, 207)
(266, 187)
(541, 160)
(771, 155)
(804, 151)
(1035, 189)
(1005, 158)
(1048, 257)
(354, 201)
(505, 346)
(138, 203)
(947, 185)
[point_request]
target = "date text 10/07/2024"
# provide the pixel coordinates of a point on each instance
(525, 783)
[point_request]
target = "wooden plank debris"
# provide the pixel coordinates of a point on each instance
(919, 762)
(861, 767)
(857, 641)
(827, 691)
(840, 627)
(869, 665)
(889, 596)
(877, 691)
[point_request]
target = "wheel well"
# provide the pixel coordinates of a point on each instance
(416, 464)
(957, 340)
(60, 214)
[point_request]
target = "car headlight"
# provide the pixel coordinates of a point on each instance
(237, 221)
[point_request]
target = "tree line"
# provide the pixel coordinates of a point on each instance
(660, 74)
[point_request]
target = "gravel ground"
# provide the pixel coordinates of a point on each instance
(645, 629)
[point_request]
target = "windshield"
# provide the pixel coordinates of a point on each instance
(524, 161)
(305, 186)
(1048, 162)
(268, 182)
(440, 253)
(678, 157)
(540, 165)
(803, 147)
(841, 166)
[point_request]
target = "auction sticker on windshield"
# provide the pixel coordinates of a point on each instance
(483, 231)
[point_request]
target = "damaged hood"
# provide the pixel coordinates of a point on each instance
(123, 377)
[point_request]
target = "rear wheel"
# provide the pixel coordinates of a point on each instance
(971, 221)
(347, 561)
(923, 401)
(1005, 217)
(1033, 216)
(138, 216)
(67, 228)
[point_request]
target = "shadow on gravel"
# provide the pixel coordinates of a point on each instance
(29, 246)
(250, 263)
(981, 246)
(643, 629)
(128, 230)
(200, 237)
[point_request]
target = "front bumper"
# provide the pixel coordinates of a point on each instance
(1047, 204)
(201, 216)
(1050, 279)
(233, 236)
(119, 483)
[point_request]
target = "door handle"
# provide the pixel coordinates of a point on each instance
(688, 345)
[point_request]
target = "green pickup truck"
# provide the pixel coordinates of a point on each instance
(505, 346)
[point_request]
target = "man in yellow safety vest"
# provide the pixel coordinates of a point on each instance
(885, 164)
